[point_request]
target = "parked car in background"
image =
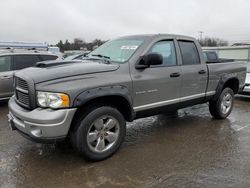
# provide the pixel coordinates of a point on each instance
(13, 60)
(212, 57)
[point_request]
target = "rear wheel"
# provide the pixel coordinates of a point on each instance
(99, 133)
(222, 107)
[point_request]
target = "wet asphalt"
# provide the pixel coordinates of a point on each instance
(191, 150)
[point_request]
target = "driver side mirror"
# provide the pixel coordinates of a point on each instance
(149, 59)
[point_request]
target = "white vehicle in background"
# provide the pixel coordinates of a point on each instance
(55, 50)
(246, 89)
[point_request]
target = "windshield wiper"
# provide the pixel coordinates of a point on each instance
(106, 59)
(103, 60)
(100, 55)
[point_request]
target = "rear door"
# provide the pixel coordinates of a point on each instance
(194, 72)
(158, 85)
(6, 77)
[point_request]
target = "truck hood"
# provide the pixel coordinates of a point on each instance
(64, 69)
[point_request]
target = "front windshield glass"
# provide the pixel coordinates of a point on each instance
(119, 50)
(248, 67)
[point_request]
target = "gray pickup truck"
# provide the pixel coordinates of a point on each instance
(131, 77)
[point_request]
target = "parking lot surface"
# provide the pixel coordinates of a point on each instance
(192, 150)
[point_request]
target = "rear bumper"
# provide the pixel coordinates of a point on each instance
(40, 125)
(246, 88)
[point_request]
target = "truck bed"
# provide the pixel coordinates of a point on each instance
(221, 71)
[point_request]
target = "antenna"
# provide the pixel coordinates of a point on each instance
(200, 34)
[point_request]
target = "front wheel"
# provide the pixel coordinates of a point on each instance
(99, 134)
(222, 107)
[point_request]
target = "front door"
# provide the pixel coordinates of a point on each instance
(157, 85)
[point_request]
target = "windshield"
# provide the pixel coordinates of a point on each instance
(119, 50)
(248, 67)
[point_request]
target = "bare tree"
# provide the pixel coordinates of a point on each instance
(207, 41)
(78, 44)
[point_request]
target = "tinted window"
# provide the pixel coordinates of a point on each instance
(24, 61)
(5, 63)
(167, 50)
(211, 56)
(189, 53)
(48, 57)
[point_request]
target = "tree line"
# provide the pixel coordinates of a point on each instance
(208, 41)
(79, 44)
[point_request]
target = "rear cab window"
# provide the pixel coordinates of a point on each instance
(24, 61)
(189, 53)
(5, 63)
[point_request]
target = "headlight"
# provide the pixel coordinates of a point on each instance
(52, 100)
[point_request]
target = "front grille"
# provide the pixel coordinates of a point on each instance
(23, 98)
(22, 92)
(22, 84)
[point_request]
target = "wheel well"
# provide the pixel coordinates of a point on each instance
(233, 84)
(117, 102)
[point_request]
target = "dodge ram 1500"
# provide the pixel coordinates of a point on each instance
(126, 78)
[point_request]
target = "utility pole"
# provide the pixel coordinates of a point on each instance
(200, 34)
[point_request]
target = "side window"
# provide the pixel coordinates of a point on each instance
(5, 63)
(167, 50)
(24, 61)
(189, 53)
(48, 57)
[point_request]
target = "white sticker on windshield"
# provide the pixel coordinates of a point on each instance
(134, 47)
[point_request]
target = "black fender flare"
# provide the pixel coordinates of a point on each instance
(225, 79)
(106, 91)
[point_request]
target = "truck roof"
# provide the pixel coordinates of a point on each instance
(147, 36)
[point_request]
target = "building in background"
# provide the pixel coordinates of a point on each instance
(239, 53)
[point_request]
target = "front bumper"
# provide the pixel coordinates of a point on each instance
(40, 125)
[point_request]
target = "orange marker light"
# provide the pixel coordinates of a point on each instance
(65, 100)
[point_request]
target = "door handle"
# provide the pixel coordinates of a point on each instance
(202, 72)
(175, 74)
(5, 77)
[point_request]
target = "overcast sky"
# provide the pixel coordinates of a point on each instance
(52, 20)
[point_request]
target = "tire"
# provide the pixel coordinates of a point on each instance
(222, 107)
(99, 133)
